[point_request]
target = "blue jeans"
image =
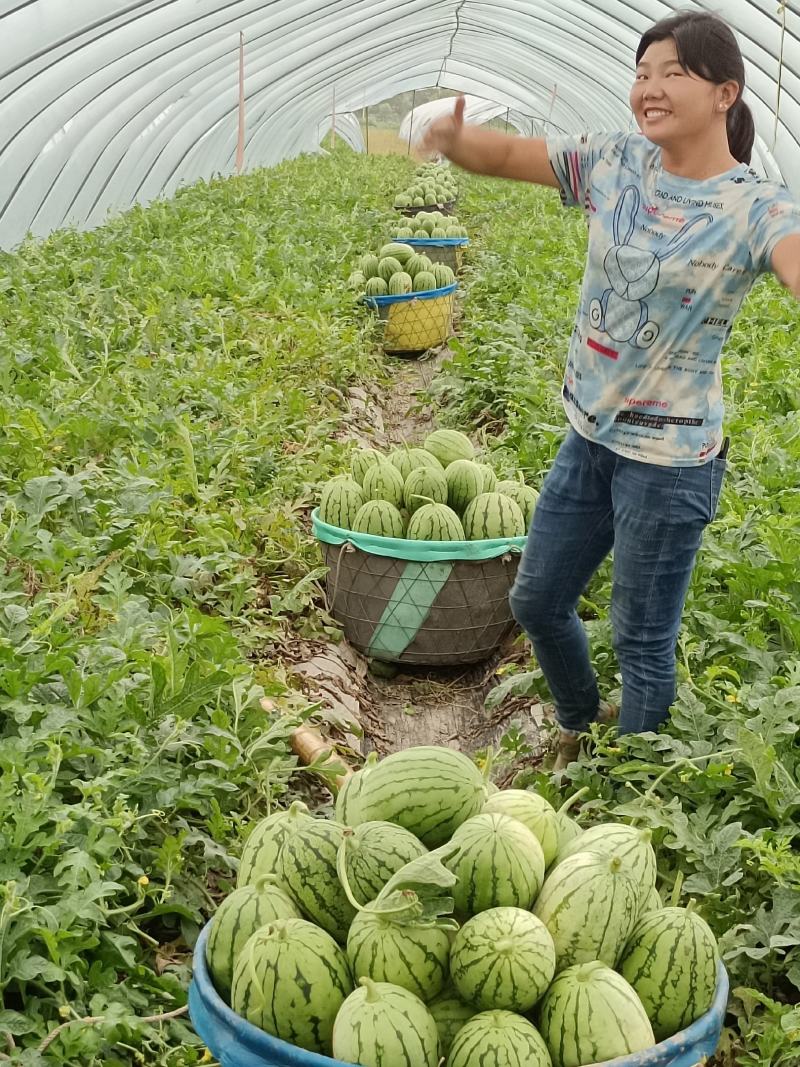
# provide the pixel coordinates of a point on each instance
(653, 517)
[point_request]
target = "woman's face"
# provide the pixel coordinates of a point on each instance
(671, 104)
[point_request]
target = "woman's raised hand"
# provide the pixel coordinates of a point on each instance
(443, 135)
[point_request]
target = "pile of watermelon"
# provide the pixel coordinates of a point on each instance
(433, 184)
(438, 917)
(429, 225)
(398, 269)
(439, 492)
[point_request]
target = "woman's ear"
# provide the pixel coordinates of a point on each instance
(728, 95)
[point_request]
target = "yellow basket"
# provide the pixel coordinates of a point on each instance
(415, 322)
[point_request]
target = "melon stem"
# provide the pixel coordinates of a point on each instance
(571, 800)
(372, 994)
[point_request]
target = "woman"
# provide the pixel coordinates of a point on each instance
(679, 229)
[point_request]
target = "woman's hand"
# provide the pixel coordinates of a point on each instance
(443, 135)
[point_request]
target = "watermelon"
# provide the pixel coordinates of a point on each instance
(630, 843)
(492, 515)
(421, 233)
(652, 902)
(589, 904)
(435, 522)
(423, 486)
(449, 1013)
(568, 830)
(291, 979)
(389, 266)
(590, 1014)
(374, 852)
(362, 460)
(523, 495)
(449, 445)
(532, 810)
(671, 961)
(376, 287)
(356, 280)
(308, 868)
(402, 200)
(403, 231)
(408, 459)
(502, 958)
(498, 1039)
(402, 253)
(379, 518)
(418, 202)
(347, 797)
(369, 266)
(453, 231)
(464, 483)
(443, 275)
(417, 263)
(438, 232)
(262, 847)
(400, 283)
(341, 498)
(424, 281)
(382, 1025)
(383, 481)
(427, 789)
(488, 476)
(499, 863)
(413, 956)
(429, 221)
(240, 914)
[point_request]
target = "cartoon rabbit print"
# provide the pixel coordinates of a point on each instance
(633, 274)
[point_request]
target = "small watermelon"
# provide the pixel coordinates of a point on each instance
(415, 956)
(652, 902)
(378, 518)
(630, 843)
(489, 477)
(373, 852)
(408, 459)
(492, 515)
(384, 481)
(443, 275)
(383, 1025)
(524, 495)
(346, 807)
(499, 863)
(449, 445)
(532, 811)
(376, 287)
(498, 1039)
(400, 252)
(435, 522)
(389, 266)
(449, 1013)
(400, 284)
(418, 263)
(362, 460)
(424, 282)
(262, 848)
(356, 280)
(369, 266)
(502, 958)
(464, 483)
(423, 486)
(341, 498)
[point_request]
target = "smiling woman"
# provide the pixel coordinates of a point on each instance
(680, 227)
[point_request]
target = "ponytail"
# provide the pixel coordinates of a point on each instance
(741, 131)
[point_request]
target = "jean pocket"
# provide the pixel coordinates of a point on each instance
(718, 468)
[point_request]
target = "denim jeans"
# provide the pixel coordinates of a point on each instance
(653, 517)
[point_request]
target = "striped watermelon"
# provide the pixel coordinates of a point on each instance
(383, 481)
(498, 1039)
(263, 846)
(449, 445)
(382, 1025)
(449, 1013)
(671, 961)
(401, 252)
(489, 478)
(347, 797)
(435, 522)
(408, 459)
(502, 958)
(389, 266)
(568, 831)
(589, 904)
(630, 843)
(464, 483)
(369, 265)
(379, 518)
(374, 851)
(415, 957)
(422, 483)
(492, 515)
(523, 494)
(308, 867)
(499, 863)
(400, 284)
(532, 810)
(362, 461)
(590, 1014)
(290, 979)
(427, 789)
(418, 263)
(424, 281)
(443, 274)
(340, 501)
(652, 902)
(237, 918)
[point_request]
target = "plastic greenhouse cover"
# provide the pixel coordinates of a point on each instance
(111, 102)
(476, 111)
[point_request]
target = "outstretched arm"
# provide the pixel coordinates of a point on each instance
(489, 151)
(786, 262)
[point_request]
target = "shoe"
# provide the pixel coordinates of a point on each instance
(568, 746)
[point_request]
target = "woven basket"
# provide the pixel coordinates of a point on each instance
(415, 322)
(434, 613)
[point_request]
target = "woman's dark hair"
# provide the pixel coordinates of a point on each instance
(707, 47)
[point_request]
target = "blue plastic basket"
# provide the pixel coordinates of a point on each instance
(237, 1043)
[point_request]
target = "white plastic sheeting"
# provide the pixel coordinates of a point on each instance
(476, 111)
(110, 102)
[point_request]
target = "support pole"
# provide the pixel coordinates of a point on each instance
(333, 119)
(508, 112)
(366, 123)
(240, 135)
(411, 123)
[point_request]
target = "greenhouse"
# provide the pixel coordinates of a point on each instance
(400, 533)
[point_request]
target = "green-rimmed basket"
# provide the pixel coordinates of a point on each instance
(428, 603)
